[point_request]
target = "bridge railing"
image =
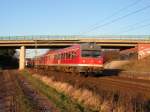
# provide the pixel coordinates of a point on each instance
(76, 37)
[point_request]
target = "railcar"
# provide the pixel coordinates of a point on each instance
(29, 62)
(81, 58)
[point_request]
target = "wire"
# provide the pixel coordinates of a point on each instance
(117, 12)
(119, 18)
(133, 25)
(138, 27)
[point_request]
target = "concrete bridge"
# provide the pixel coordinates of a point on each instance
(107, 42)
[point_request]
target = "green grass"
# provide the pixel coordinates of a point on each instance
(24, 104)
(61, 101)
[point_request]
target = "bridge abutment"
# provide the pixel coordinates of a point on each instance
(143, 50)
(22, 58)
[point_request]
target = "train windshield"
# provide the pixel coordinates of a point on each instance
(90, 53)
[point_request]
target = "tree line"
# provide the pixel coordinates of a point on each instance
(8, 59)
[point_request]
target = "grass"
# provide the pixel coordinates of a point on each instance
(24, 104)
(138, 65)
(63, 102)
(111, 100)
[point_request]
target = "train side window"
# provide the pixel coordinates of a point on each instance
(96, 53)
(88, 53)
(56, 57)
(71, 55)
(68, 55)
(65, 55)
(59, 56)
(74, 54)
(62, 55)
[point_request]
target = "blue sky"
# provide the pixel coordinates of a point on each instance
(71, 17)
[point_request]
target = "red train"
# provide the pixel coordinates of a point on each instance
(77, 58)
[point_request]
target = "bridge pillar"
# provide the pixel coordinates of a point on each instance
(22, 58)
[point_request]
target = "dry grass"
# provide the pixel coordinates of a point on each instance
(62, 101)
(104, 101)
(84, 96)
(106, 106)
(138, 65)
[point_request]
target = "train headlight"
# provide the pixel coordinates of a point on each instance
(83, 61)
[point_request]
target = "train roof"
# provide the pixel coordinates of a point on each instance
(61, 50)
(84, 46)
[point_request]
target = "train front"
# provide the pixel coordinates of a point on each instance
(91, 59)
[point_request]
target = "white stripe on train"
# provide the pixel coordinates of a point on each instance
(89, 65)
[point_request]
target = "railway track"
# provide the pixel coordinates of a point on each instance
(133, 86)
(40, 103)
(135, 74)
(8, 93)
(12, 86)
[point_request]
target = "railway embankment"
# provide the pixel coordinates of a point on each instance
(108, 94)
(59, 98)
(141, 65)
(137, 69)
